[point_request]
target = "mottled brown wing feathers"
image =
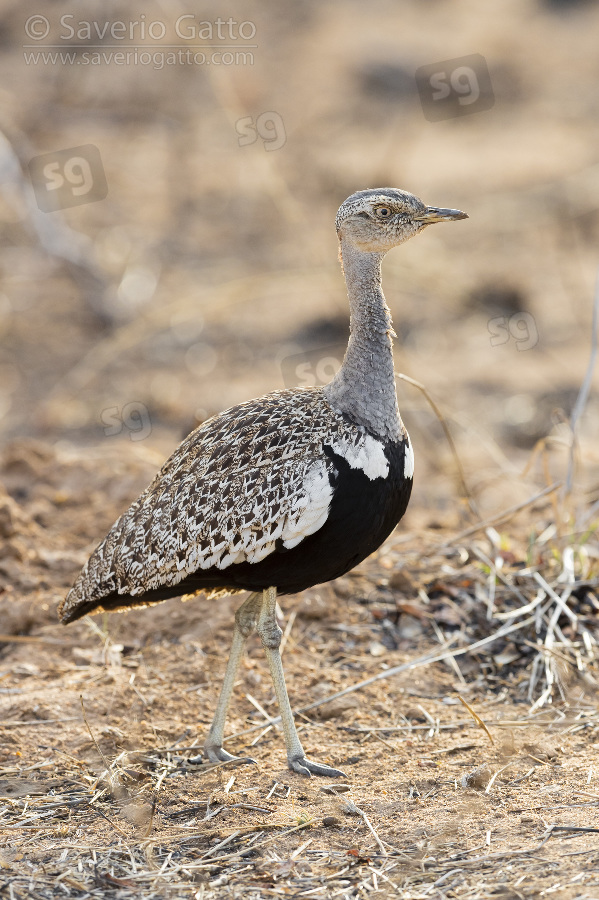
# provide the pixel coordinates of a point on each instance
(252, 476)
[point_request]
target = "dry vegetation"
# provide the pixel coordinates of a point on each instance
(453, 676)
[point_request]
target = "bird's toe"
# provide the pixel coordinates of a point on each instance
(216, 754)
(304, 766)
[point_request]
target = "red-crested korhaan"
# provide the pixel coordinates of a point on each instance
(280, 493)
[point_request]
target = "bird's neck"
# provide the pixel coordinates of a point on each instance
(364, 387)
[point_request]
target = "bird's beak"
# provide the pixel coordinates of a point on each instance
(433, 214)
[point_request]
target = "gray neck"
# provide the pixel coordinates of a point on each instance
(364, 387)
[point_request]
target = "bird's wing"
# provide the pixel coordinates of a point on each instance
(249, 478)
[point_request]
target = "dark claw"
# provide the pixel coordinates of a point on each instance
(304, 766)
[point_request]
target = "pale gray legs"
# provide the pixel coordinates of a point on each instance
(245, 622)
(258, 613)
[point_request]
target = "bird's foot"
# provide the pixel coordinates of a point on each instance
(216, 754)
(304, 766)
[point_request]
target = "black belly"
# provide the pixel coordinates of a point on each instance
(363, 513)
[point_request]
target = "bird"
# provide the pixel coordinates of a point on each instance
(280, 493)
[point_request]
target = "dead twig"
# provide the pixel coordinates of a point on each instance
(465, 490)
(91, 734)
(585, 388)
(500, 517)
(477, 719)
(506, 854)
(354, 810)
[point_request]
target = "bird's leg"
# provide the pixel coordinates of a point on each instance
(270, 634)
(245, 623)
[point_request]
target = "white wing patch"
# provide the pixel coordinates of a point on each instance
(312, 509)
(367, 454)
(408, 466)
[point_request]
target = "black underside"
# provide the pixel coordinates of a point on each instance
(363, 513)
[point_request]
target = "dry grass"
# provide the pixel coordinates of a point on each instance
(133, 830)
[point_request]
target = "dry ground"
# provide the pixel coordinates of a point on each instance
(99, 723)
(209, 275)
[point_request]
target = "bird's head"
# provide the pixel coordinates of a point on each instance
(376, 220)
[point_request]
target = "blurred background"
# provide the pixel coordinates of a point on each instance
(169, 177)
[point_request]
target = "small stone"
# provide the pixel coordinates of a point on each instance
(401, 581)
(253, 678)
(313, 607)
(335, 788)
(337, 708)
(409, 627)
(7, 517)
(478, 778)
(137, 813)
(12, 549)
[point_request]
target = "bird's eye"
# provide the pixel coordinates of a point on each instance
(383, 212)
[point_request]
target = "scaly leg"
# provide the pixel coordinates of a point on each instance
(270, 634)
(245, 623)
